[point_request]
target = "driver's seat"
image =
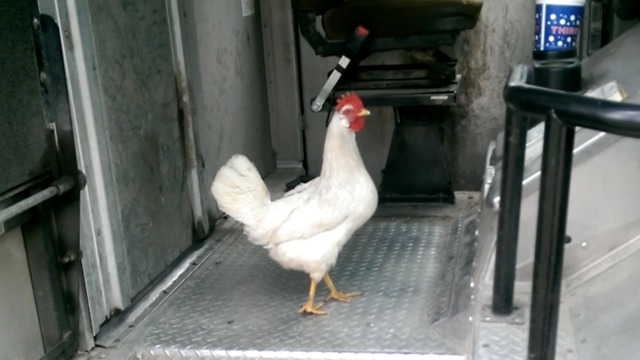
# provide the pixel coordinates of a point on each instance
(354, 29)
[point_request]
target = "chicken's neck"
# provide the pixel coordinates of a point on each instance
(341, 156)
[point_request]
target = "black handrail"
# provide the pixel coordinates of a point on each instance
(562, 112)
(555, 177)
(571, 109)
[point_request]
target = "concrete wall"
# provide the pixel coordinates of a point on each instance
(225, 67)
(502, 38)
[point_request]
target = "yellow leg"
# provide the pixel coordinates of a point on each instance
(334, 294)
(308, 307)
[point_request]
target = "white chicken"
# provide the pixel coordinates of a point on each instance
(306, 228)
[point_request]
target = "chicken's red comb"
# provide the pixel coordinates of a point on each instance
(348, 98)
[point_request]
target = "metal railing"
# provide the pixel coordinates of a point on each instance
(562, 112)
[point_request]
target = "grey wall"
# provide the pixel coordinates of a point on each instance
(226, 74)
(502, 38)
(138, 91)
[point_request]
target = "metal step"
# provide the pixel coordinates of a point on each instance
(411, 263)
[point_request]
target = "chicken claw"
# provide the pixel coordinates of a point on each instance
(308, 307)
(335, 294)
(313, 310)
(342, 297)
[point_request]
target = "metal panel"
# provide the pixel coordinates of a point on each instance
(66, 209)
(51, 294)
(604, 314)
(24, 148)
(595, 228)
(201, 222)
(281, 64)
(45, 247)
(140, 104)
(105, 272)
(225, 67)
(20, 331)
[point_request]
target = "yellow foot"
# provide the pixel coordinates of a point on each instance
(340, 296)
(334, 294)
(308, 308)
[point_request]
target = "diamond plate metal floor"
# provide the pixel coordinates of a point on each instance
(413, 272)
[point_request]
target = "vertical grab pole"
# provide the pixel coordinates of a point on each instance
(550, 238)
(509, 216)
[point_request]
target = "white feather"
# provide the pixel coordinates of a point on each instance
(305, 229)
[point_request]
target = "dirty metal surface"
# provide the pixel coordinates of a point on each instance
(241, 304)
(496, 340)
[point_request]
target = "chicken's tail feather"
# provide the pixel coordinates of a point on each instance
(240, 191)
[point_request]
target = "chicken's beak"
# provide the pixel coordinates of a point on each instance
(364, 112)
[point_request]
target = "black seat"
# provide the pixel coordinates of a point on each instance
(354, 29)
(394, 24)
(392, 19)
